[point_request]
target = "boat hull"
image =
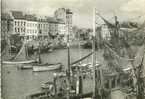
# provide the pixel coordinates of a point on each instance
(25, 67)
(19, 62)
(46, 68)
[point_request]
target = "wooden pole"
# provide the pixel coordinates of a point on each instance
(94, 54)
(39, 51)
(68, 53)
(26, 50)
(80, 56)
(68, 70)
(10, 50)
(55, 85)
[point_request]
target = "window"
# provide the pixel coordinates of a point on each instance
(15, 29)
(18, 23)
(15, 23)
(18, 30)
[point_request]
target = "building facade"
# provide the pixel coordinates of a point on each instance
(66, 16)
(43, 28)
(31, 27)
(53, 26)
(61, 27)
(6, 25)
(19, 23)
(31, 32)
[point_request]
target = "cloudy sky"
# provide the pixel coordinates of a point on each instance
(82, 9)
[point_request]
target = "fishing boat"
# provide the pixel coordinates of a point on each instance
(19, 62)
(21, 58)
(46, 67)
(47, 95)
(39, 66)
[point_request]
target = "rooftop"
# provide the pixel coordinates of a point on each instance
(68, 11)
(42, 19)
(6, 16)
(60, 21)
(52, 20)
(30, 17)
(18, 15)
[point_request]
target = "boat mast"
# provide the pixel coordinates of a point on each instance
(80, 56)
(94, 54)
(39, 51)
(26, 49)
(7, 38)
(140, 78)
(68, 61)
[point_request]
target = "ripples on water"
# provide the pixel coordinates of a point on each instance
(16, 84)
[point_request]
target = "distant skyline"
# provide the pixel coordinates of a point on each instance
(82, 9)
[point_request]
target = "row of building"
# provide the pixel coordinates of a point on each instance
(32, 27)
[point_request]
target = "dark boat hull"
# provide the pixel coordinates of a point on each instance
(45, 95)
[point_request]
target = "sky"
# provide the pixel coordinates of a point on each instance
(82, 9)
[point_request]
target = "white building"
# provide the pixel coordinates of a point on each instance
(53, 26)
(65, 15)
(43, 28)
(19, 23)
(31, 27)
(61, 27)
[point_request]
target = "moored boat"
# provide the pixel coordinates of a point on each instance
(25, 66)
(21, 57)
(47, 67)
(19, 62)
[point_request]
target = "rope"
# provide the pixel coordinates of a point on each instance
(23, 48)
(117, 54)
(82, 58)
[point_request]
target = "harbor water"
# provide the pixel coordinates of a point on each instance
(17, 84)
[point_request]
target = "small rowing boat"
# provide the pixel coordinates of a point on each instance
(46, 67)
